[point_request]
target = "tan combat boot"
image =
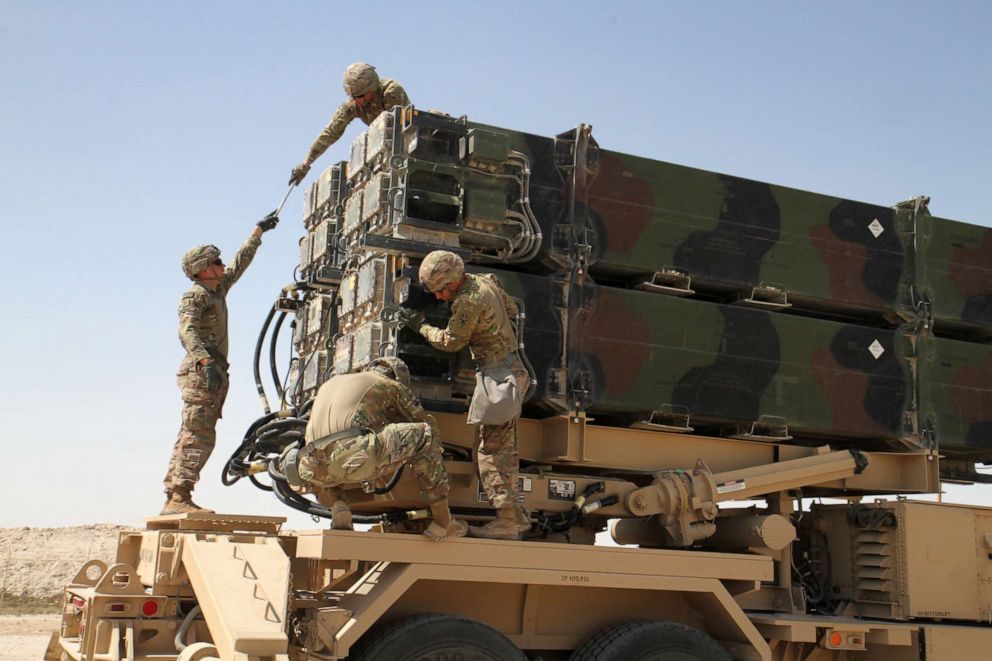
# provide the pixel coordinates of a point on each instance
(523, 519)
(179, 501)
(504, 527)
(443, 526)
(341, 516)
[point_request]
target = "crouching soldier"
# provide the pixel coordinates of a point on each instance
(363, 427)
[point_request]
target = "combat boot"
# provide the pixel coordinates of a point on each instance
(443, 526)
(505, 526)
(180, 501)
(341, 516)
(523, 519)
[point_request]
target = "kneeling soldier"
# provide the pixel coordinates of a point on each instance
(363, 427)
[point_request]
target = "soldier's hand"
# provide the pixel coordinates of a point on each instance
(214, 378)
(269, 222)
(298, 173)
(411, 319)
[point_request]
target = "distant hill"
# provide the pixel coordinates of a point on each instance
(36, 563)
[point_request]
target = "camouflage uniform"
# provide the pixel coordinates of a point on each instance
(203, 333)
(477, 322)
(390, 94)
(391, 429)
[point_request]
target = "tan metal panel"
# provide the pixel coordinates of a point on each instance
(892, 472)
(400, 589)
(243, 589)
(941, 574)
(575, 440)
(949, 643)
(216, 522)
(983, 560)
(802, 628)
(567, 559)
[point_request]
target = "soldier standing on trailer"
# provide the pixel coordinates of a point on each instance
(368, 97)
(480, 319)
(202, 375)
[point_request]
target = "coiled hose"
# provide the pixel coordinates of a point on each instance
(266, 439)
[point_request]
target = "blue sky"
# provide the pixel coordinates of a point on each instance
(130, 131)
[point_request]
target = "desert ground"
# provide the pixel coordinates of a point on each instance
(24, 637)
(35, 565)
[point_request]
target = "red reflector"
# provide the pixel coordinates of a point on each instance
(78, 602)
(149, 608)
(836, 639)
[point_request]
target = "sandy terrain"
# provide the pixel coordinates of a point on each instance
(24, 637)
(35, 565)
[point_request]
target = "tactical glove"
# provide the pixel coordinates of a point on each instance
(269, 222)
(299, 172)
(411, 319)
(214, 378)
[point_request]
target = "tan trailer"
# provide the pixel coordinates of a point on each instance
(214, 586)
(694, 579)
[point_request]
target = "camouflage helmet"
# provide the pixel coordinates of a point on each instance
(439, 268)
(392, 367)
(198, 258)
(359, 79)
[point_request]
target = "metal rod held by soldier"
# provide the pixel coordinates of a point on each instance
(285, 197)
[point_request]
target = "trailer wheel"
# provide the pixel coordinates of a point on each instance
(646, 640)
(435, 637)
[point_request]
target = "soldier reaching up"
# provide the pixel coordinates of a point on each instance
(368, 97)
(202, 374)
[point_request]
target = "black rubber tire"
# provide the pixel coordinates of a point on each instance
(435, 637)
(647, 640)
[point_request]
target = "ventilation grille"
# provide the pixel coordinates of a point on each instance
(874, 564)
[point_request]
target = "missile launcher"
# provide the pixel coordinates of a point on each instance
(656, 295)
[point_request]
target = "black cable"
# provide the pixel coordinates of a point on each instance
(389, 517)
(277, 442)
(283, 423)
(566, 520)
(276, 438)
(521, 352)
(273, 368)
(288, 497)
(274, 473)
(265, 429)
(379, 491)
(290, 400)
(593, 487)
(304, 411)
(236, 460)
(458, 451)
(263, 487)
(277, 427)
(258, 355)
